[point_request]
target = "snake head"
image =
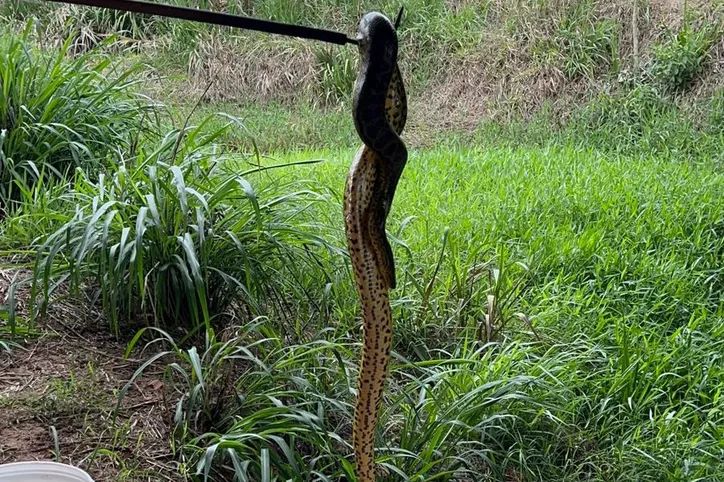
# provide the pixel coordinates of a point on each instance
(377, 43)
(375, 36)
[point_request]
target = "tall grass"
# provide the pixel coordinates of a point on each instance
(176, 235)
(58, 113)
(561, 63)
(678, 62)
(559, 310)
(612, 373)
(258, 408)
(582, 43)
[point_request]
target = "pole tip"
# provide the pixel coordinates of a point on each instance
(399, 18)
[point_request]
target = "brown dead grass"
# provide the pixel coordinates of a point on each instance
(500, 80)
(268, 70)
(503, 82)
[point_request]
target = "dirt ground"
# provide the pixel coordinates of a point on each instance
(58, 393)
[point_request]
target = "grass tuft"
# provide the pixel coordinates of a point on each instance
(58, 114)
(176, 235)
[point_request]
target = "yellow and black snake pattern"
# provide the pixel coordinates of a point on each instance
(380, 112)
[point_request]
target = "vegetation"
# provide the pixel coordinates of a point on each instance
(677, 62)
(560, 253)
(56, 115)
(621, 284)
(176, 235)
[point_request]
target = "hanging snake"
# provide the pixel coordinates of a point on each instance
(380, 112)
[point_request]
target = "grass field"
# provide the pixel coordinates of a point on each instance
(615, 263)
(176, 301)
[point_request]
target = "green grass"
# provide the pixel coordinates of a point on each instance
(615, 261)
(176, 235)
(577, 79)
(625, 253)
(57, 114)
(559, 310)
(273, 127)
(637, 122)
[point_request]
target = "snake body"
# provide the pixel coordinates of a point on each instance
(380, 113)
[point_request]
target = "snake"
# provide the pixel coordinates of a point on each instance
(380, 112)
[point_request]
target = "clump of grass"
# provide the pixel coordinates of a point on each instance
(24, 11)
(337, 70)
(256, 407)
(37, 213)
(581, 44)
(57, 114)
(255, 403)
(87, 27)
(681, 59)
(6, 345)
(175, 235)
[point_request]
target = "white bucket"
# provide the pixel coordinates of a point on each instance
(42, 472)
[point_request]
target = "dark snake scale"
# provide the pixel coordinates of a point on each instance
(380, 112)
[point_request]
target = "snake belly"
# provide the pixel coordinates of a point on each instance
(380, 113)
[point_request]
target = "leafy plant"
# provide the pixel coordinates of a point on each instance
(176, 236)
(586, 47)
(253, 407)
(502, 300)
(581, 42)
(677, 62)
(39, 211)
(58, 114)
(248, 400)
(337, 72)
(6, 345)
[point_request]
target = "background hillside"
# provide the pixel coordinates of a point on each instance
(598, 71)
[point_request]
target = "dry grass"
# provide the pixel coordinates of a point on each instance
(501, 78)
(454, 83)
(503, 82)
(270, 69)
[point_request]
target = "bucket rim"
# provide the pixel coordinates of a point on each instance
(27, 467)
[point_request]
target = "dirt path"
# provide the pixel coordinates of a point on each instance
(66, 380)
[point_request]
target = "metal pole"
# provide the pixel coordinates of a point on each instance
(216, 18)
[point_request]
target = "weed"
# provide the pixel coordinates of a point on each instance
(337, 72)
(175, 236)
(681, 59)
(603, 230)
(287, 409)
(581, 42)
(56, 115)
(8, 345)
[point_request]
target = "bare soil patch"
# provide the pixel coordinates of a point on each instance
(62, 388)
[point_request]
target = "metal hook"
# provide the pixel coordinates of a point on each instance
(399, 18)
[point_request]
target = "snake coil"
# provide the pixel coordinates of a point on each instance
(380, 113)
